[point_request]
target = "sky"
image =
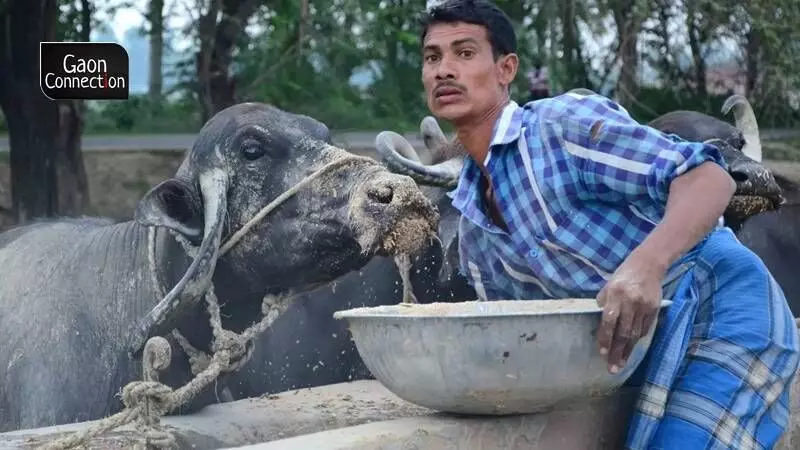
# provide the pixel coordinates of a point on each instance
(123, 28)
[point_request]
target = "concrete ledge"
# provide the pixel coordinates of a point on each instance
(586, 426)
(363, 415)
(255, 420)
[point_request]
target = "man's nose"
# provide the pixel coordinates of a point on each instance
(446, 69)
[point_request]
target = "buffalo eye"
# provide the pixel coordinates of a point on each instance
(253, 150)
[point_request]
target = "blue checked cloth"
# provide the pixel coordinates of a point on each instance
(579, 184)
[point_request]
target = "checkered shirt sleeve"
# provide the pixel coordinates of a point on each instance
(619, 159)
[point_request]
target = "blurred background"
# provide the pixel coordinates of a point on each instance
(354, 65)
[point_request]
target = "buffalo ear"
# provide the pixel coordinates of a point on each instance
(174, 204)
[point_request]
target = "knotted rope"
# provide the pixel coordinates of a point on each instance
(148, 400)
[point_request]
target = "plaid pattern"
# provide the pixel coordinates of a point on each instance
(723, 359)
(579, 184)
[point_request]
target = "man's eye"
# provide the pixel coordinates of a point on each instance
(467, 53)
(431, 58)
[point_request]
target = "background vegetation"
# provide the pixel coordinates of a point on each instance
(355, 65)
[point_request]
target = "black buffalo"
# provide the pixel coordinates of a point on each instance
(306, 347)
(767, 210)
(78, 297)
(756, 188)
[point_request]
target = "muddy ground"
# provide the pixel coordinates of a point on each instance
(118, 179)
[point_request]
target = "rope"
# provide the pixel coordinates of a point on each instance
(236, 237)
(148, 400)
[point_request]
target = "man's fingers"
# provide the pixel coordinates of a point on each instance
(608, 324)
(638, 332)
(623, 335)
(602, 297)
(647, 321)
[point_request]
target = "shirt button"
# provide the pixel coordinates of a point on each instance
(534, 252)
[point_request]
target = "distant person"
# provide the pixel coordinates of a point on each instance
(539, 82)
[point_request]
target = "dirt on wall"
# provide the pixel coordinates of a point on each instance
(117, 180)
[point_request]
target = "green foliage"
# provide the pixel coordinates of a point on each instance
(344, 40)
(139, 114)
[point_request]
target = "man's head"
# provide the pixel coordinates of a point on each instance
(469, 59)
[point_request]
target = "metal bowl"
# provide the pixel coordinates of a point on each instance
(496, 358)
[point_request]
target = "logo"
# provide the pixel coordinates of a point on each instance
(83, 70)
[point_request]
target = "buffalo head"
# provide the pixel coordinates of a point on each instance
(756, 188)
(243, 204)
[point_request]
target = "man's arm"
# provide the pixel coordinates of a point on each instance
(622, 160)
(695, 202)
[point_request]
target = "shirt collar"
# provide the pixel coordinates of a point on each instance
(508, 125)
(506, 130)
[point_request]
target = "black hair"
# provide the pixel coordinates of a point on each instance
(477, 12)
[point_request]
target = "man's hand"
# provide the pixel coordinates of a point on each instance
(630, 302)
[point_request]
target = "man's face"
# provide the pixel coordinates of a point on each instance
(461, 78)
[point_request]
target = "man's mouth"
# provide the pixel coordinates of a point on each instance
(447, 93)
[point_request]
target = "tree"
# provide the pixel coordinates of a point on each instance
(47, 173)
(219, 28)
(156, 19)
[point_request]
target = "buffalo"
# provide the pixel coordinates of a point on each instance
(757, 190)
(261, 206)
(306, 347)
(766, 211)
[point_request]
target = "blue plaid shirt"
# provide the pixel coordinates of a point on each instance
(579, 184)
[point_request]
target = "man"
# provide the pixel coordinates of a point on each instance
(570, 197)
(538, 82)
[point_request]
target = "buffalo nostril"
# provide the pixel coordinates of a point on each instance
(739, 177)
(382, 194)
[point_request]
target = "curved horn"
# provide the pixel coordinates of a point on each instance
(401, 157)
(195, 282)
(434, 139)
(746, 123)
(439, 147)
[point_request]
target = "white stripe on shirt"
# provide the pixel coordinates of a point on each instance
(524, 277)
(607, 159)
(477, 280)
(522, 144)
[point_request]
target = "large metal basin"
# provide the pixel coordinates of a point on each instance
(498, 357)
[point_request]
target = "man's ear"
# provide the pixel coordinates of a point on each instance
(174, 204)
(507, 67)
